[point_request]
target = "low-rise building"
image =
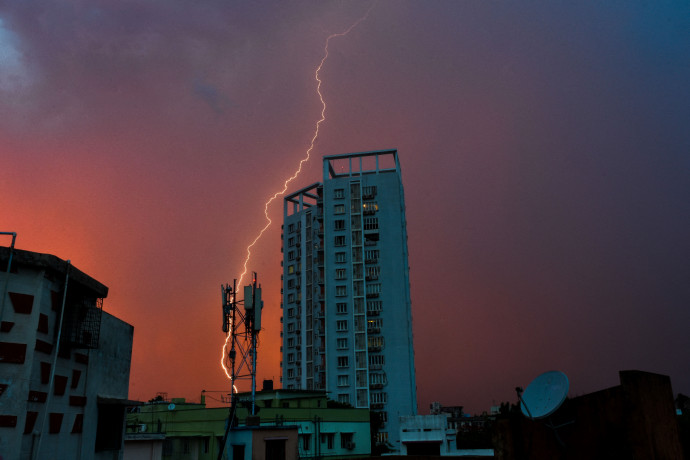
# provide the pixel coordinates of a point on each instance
(64, 362)
(427, 435)
(301, 423)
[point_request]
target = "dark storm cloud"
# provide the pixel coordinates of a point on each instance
(211, 96)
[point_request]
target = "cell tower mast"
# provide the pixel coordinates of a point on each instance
(243, 327)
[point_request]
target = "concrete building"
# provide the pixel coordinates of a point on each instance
(636, 419)
(59, 399)
(289, 424)
(347, 322)
(427, 435)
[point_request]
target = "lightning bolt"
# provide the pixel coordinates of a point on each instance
(299, 168)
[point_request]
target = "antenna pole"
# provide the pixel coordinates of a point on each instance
(243, 328)
(254, 332)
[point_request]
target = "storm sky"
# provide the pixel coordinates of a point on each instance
(544, 146)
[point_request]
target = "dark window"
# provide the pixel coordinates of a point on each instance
(168, 447)
(238, 451)
(22, 303)
(76, 374)
(110, 426)
(45, 373)
(60, 385)
(14, 353)
(42, 323)
(275, 449)
(327, 438)
(55, 420)
(78, 425)
(30, 422)
(346, 440)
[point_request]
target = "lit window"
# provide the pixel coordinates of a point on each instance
(291, 269)
(370, 207)
(375, 323)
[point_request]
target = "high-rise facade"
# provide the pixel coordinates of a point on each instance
(347, 322)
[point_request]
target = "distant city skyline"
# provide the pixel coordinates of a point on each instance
(544, 155)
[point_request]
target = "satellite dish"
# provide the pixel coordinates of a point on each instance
(544, 395)
(171, 406)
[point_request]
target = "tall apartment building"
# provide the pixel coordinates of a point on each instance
(347, 322)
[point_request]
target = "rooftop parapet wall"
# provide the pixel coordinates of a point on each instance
(352, 164)
(54, 264)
